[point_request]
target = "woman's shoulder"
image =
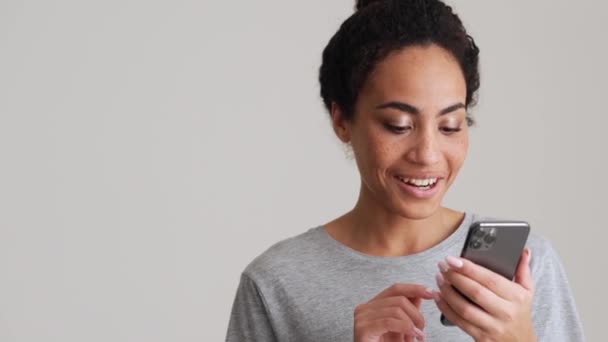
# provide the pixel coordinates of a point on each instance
(284, 255)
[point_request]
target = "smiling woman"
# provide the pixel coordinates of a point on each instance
(410, 124)
(397, 80)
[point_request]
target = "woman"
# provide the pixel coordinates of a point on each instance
(398, 79)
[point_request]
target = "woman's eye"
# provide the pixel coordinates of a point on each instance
(397, 129)
(451, 129)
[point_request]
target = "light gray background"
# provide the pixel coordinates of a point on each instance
(150, 150)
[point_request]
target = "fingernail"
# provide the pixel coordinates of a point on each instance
(429, 291)
(419, 333)
(529, 256)
(436, 296)
(443, 267)
(439, 279)
(454, 262)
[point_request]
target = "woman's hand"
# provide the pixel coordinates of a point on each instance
(504, 312)
(393, 315)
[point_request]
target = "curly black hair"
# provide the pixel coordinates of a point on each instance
(379, 27)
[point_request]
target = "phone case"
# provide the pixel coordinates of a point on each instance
(496, 245)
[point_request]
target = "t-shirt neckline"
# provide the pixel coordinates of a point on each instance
(438, 250)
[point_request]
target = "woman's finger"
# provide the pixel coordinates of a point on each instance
(407, 290)
(396, 337)
(466, 310)
(393, 312)
(381, 326)
(408, 338)
(453, 317)
(416, 301)
(495, 282)
(523, 274)
(379, 307)
(477, 293)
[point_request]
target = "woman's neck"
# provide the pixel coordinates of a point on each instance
(373, 230)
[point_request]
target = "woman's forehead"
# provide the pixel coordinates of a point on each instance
(426, 77)
(418, 67)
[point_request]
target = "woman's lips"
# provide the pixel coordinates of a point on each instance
(416, 192)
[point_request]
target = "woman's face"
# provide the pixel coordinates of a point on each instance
(409, 134)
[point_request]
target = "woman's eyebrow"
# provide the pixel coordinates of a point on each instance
(404, 107)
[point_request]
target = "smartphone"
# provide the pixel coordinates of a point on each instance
(496, 245)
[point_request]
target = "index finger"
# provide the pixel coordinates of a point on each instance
(407, 290)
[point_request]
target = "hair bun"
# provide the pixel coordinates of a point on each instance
(363, 3)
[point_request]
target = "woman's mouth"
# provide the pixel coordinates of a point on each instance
(423, 184)
(419, 188)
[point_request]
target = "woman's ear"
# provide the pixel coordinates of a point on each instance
(340, 124)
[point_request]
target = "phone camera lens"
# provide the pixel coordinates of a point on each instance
(475, 244)
(489, 239)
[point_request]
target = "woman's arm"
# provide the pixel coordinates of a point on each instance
(553, 311)
(249, 319)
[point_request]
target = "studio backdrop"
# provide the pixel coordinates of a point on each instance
(149, 150)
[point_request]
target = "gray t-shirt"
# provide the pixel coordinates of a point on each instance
(306, 287)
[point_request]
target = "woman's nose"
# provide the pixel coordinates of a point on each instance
(425, 149)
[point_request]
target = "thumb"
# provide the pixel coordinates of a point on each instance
(523, 274)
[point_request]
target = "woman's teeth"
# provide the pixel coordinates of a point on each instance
(421, 183)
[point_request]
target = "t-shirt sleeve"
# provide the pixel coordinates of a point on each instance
(249, 320)
(554, 310)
